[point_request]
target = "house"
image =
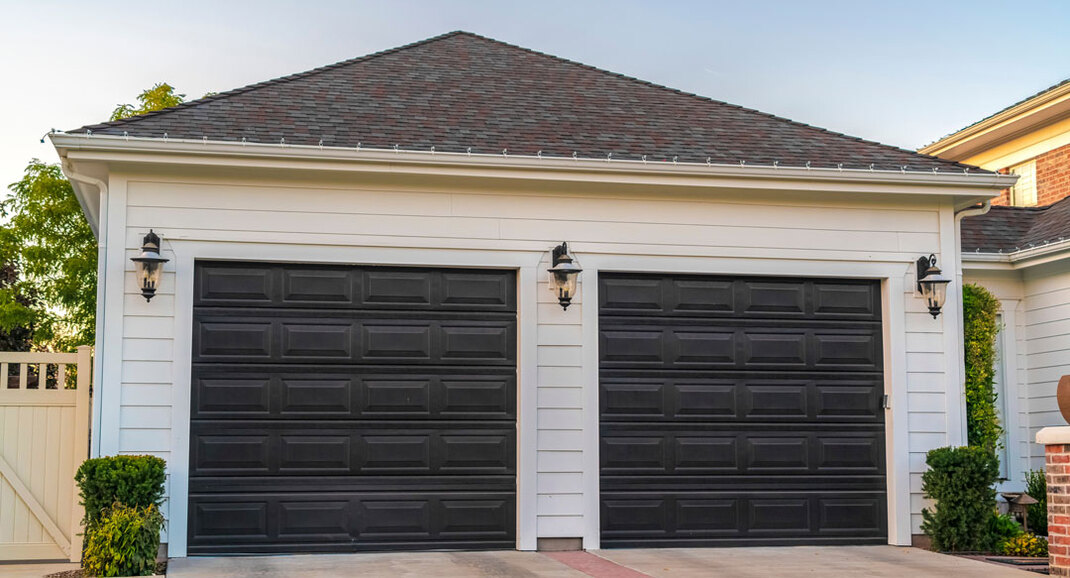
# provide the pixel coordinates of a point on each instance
(1020, 251)
(354, 344)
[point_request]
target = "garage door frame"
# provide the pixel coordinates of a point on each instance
(526, 265)
(893, 315)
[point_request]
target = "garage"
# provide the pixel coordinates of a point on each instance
(346, 408)
(740, 411)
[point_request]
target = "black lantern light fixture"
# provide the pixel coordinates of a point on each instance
(148, 265)
(932, 285)
(564, 276)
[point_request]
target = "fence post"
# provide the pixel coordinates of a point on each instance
(81, 442)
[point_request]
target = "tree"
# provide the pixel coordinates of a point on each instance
(160, 96)
(48, 254)
(50, 244)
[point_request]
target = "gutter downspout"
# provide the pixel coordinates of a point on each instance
(960, 354)
(102, 261)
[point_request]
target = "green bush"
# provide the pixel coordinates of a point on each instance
(135, 481)
(1025, 544)
(979, 310)
(960, 480)
(124, 543)
(1036, 485)
(1001, 527)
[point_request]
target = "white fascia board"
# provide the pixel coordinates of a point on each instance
(1019, 259)
(967, 188)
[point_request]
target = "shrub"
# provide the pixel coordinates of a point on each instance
(960, 480)
(1036, 485)
(979, 310)
(1025, 544)
(1001, 527)
(134, 481)
(124, 543)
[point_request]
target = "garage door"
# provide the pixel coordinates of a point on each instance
(352, 408)
(740, 411)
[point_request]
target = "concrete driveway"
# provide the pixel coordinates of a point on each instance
(861, 561)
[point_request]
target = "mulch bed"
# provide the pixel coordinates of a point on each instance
(161, 569)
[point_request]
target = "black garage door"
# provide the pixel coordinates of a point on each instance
(740, 411)
(352, 408)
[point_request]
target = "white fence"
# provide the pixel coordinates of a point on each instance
(44, 437)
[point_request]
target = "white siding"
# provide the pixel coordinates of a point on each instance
(791, 235)
(1045, 346)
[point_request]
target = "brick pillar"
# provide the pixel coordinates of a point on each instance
(1056, 442)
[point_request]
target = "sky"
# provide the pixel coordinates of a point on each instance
(901, 72)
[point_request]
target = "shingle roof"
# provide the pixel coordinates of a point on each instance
(461, 90)
(1010, 229)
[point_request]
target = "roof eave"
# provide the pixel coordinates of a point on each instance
(1024, 117)
(967, 187)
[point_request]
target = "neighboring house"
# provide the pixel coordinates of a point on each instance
(1020, 251)
(353, 346)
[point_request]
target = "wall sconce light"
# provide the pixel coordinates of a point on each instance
(564, 276)
(148, 265)
(932, 284)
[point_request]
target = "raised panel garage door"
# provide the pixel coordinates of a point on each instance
(740, 411)
(339, 408)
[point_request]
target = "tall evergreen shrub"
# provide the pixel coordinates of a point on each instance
(961, 482)
(979, 308)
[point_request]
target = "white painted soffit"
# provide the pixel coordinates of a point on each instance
(970, 187)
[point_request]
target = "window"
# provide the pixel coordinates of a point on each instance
(1024, 192)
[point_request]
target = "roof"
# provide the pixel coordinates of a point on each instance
(461, 92)
(1010, 229)
(999, 112)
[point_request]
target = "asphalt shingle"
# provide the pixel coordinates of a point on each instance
(461, 90)
(1009, 229)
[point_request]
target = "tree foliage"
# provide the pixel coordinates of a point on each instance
(982, 418)
(18, 334)
(48, 241)
(160, 96)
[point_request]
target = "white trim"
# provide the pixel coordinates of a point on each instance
(526, 263)
(896, 429)
(109, 387)
(229, 153)
(527, 446)
(951, 317)
(1011, 389)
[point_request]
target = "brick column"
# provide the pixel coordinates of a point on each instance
(1056, 442)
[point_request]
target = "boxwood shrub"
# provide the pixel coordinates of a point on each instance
(135, 481)
(960, 481)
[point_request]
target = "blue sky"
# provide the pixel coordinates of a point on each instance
(903, 72)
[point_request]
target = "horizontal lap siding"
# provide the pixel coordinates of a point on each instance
(1046, 350)
(745, 227)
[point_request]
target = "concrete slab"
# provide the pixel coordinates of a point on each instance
(392, 565)
(853, 561)
(34, 569)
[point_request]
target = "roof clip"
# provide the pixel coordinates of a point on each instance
(282, 142)
(432, 149)
(242, 141)
(358, 146)
(539, 154)
(839, 167)
(88, 133)
(674, 159)
(575, 156)
(396, 148)
(807, 165)
(776, 164)
(609, 157)
(903, 169)
(164, 137)
(505, 152)
(469, 151)
(742, 163)
(709, 161)
(321, 143)
(871, 165)
(644, 159)
(126, 135)
(936, 170)
(204, 139)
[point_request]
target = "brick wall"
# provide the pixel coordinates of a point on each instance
(1057, 468)
(1053, 176)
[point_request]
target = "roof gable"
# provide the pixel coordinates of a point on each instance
(462, 92)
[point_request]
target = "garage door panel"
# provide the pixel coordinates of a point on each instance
(343, 408)
(271, 339)
(677, 346)
(631, 295)
(298, 449)
(741, 518)
(325, 393)
(740, 411)
(343, 287)
(754, 398)
(269, 523)
(737, 452)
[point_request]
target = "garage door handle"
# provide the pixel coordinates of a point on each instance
(886, 401)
